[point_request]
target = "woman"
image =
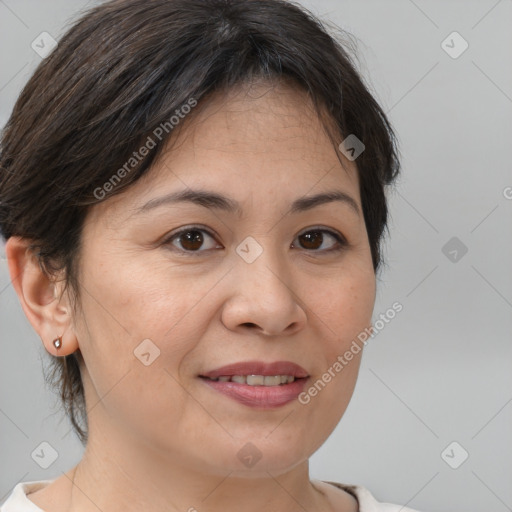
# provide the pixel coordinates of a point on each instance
(193, 198)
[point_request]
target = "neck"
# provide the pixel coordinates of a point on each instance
(124, 476)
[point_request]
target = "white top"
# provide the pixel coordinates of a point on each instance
(18, 501)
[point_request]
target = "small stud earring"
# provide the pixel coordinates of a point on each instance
(57, 342)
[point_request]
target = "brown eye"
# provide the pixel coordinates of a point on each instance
(191, 240)
(195, 240)
(313, 240)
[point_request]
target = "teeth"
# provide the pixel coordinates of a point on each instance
(257, 380)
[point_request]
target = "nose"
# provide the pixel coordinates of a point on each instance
(263, 299)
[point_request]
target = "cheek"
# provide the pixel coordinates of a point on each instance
(131, 309)
(137, 299)
(343, 309)
(131, 368)
(344, 304)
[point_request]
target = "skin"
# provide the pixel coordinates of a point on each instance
(159, 438)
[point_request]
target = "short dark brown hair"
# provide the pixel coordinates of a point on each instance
(121, 71)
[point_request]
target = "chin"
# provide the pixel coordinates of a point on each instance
(257, 456)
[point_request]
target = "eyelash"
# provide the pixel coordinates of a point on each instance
(342, 243)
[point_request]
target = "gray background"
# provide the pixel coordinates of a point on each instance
(440, 371)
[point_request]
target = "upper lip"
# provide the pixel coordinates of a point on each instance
(258, 368)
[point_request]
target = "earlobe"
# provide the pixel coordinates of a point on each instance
(49, 316)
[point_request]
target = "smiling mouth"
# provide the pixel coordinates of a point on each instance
(256, 380)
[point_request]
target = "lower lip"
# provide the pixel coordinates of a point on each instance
(265, 397)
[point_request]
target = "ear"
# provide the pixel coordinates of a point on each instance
(49, 315)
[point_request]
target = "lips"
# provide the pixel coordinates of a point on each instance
(263, 391)
(258, 368)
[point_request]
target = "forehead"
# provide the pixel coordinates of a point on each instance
(256, 140)
(260, 133)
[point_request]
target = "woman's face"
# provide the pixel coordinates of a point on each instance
(263, 283)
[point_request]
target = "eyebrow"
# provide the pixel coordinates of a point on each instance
(209, 199)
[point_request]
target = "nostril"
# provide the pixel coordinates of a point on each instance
(249, 324)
